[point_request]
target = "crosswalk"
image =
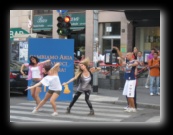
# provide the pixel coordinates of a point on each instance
(104, 112)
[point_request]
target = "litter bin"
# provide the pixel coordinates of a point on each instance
(115, 81)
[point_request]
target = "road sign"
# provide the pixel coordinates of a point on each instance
(62, 11)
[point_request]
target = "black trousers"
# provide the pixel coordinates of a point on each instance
(87, 95)
(134, 98)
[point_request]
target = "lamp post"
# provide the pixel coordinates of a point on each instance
(95, 50)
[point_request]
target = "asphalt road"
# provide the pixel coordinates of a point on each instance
(21, 108)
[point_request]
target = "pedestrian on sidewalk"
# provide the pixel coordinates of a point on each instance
(52, 80)
(154, 65)
(130, 84)
(150, 57)
(35, 74)
(84, 79)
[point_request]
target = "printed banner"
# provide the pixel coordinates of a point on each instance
(23, 52)
(57, 50)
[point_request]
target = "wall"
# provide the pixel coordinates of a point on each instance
(89, 30)
(19, 18)
(112, 16)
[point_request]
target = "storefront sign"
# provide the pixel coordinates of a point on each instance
(15, 31)
(42, 22)
(77, 19)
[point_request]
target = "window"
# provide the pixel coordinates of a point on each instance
(147, 38)
(79, 43)
(112, 28)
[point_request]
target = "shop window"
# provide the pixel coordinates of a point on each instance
(112, 28)
(147, 38)
(79, 43)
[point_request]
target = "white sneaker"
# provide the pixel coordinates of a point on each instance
(54, 114)
(151, 94)
(34, 111)
(146, 86)
(125, 108)
(130, 110)
(158, 93)
(134, 110)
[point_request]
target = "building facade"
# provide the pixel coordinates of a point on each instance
(112, 28)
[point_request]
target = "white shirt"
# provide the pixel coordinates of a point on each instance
(35, 72)
(53, 82)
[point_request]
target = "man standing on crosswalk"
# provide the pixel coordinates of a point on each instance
(130, 84)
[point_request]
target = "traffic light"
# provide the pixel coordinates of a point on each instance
(64, 25)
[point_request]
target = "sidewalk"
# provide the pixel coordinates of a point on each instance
(115, 96)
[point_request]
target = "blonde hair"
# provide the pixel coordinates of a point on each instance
(85, 62)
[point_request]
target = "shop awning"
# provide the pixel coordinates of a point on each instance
(143, 17)
(15, 31)
(77, 28)
(42, 29)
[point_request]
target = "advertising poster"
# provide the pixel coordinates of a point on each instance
(23, 52)
(57, 50)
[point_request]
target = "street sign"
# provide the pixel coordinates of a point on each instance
(61, 11)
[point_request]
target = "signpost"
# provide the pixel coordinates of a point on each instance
(61, 11)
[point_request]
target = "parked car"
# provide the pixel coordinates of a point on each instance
(18, 82)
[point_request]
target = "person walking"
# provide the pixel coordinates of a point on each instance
(84, 79)
(35, 74)
(52, 80)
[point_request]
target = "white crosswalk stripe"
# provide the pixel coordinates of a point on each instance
(104, 112)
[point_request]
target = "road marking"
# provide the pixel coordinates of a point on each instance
(66, 116)
(35, 119)
(76, 112)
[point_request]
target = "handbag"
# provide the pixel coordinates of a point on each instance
(66, 89)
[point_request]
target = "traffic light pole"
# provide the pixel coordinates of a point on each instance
(95, 50)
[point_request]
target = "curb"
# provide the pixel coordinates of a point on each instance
(144, 105)
(114, 100)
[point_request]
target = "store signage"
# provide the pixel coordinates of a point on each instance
(77, 19)
(15, 31)
(42, 22)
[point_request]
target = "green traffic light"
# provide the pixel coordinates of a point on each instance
(64, 32)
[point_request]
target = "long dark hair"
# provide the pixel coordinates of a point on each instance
(31, 63)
